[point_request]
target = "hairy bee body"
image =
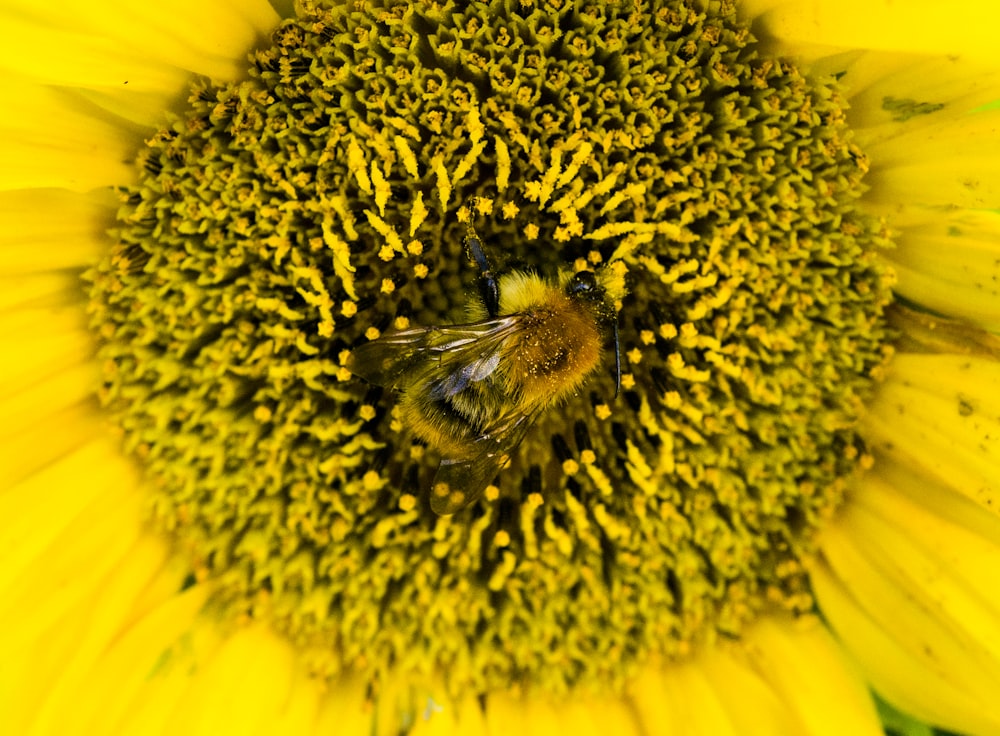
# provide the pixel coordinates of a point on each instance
(542, 352)
(471, 391)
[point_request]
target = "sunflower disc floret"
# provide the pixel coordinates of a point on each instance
(281, 220)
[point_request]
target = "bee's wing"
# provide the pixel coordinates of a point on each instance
(454, 354)
(442, 362)
(459, 482)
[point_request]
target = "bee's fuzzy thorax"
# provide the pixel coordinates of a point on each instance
(555, 351)
(521, 291)
(559, 342)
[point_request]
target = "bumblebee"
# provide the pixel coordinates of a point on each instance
(471, 391)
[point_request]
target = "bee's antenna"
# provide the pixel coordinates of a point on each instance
(618, 359)
(489, 289)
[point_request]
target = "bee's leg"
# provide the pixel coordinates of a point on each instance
(489, 289)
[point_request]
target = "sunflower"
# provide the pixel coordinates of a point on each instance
(785, 523)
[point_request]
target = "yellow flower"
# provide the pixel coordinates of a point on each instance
(794, 500)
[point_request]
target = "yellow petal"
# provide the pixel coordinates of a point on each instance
(43, 509)
(129, 60)
(954, 164)
(699, 705)
(594, 713)
(945, 566)
(345, 709)
(77, 58)
(99, 624)
(460, 718)
(241, 687)
(88, 84)
(137, 685)
(141, 47)
(74, 560)
(755, 708)
(47, 383)
(804, 665)
(297, 714)
(39, 344)
(926, 332)
(49, 230)
(34, 405)
(38, 446)
(49, 140)
(907, 581)
(949, 262)
(646, 693)
(890, 93)
(941, 414)
(918, 26)
(912, 75)
(36, 289)
(597, 715)
(784, 677)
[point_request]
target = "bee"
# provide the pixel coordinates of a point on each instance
(471, 391)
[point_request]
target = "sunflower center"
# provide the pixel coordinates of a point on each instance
(285, 219)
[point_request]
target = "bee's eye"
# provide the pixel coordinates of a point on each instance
(583, 283)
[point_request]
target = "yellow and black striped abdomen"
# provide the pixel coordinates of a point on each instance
(452, 420)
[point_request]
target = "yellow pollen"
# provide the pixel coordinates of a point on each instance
(287, 219)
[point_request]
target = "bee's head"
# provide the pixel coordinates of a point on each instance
(603, 284)
(583, 285)
(586, 286)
